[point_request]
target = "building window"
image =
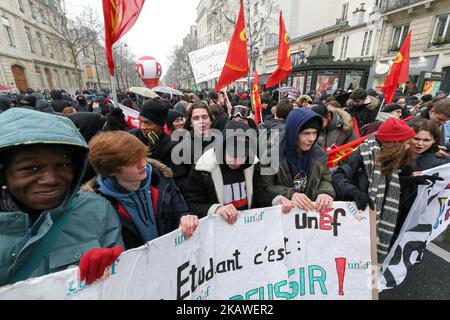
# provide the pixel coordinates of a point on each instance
(89, 72)
(379, 3)
(366, 43)
(29, 38)
(50, 47)
(62, 51)
(8, 31)
(441, 33)
(58, 79)
(344, 47)
(398, 37)
(41, 44)
(40, 78)
(19, 2)
(344, 12)
(69, 79)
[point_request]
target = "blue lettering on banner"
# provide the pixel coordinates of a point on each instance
(179, 240)
(74, 286)
(257, 217)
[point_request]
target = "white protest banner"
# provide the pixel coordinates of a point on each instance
(207, 63)
(265, 255)
(428, 218)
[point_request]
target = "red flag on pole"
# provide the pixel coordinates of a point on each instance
(284, 67)
(399, 71)
(338, 154)
(120, 16)
(236, 64)
(256, 95)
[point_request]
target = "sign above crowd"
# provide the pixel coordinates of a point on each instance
(207, 63)
(266, 255)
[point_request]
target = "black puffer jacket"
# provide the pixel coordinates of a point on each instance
(162, 151)
(428, 160)
(365, 113)
(351, 176)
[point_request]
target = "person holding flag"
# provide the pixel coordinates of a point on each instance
(284, 67)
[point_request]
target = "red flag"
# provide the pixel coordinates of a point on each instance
(340, 153)
(356, 128)
(256, 95)
(120, 16)
(236, 65)
(399, 71)
(284, 67)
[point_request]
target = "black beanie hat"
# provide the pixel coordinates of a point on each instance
(173, 114)
(156, 110)
(392, 107)
(232, 133)
(314, 123)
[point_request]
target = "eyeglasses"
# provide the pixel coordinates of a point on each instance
(241, 111)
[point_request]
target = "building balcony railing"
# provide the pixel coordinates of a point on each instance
(393, 5)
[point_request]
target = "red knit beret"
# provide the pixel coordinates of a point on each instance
(394, 130)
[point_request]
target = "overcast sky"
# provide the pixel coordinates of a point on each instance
(161, 26)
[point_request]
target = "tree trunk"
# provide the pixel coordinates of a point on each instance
(96, 69)
(77, 72)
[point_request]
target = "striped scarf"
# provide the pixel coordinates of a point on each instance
(385, 195)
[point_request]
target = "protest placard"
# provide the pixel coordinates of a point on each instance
(207, 63)
(266, 255)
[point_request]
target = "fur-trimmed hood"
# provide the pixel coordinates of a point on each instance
(341, 119)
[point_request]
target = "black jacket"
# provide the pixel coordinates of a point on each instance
(59, 104)
(221, 121)
(428, 160)
(170, 206)
(182, 170)
(351, 176)
(162, 151)
(365, 113)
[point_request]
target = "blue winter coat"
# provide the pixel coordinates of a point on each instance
(92, 222)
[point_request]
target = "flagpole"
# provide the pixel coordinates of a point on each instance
(114, 91)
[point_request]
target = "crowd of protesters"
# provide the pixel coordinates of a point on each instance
(78, 185)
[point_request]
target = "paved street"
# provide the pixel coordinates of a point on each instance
(429, 280)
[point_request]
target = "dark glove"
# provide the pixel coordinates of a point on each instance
(94, 262)
(422, 180)
(362, 200)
